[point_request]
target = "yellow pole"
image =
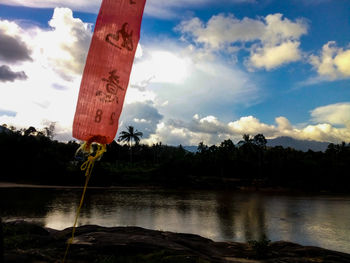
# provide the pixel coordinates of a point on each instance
(87, 167)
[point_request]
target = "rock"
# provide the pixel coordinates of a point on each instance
(23, 227)
(134, 244)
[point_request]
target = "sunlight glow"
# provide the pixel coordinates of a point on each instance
(163, 67)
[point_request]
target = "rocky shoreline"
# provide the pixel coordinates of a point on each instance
(27, 242)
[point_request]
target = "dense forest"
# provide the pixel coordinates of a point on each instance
(32, 156)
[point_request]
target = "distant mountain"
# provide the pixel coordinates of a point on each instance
(301, 145)
(285, 142)
(191, 149)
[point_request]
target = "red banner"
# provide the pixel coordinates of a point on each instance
(107, 70)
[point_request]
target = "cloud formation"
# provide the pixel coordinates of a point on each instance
(335, 114)
(6, 74)
(270, 57)
(272, 40)
(142, 115)
(72, 37)
(50, 89)
(333, 62)
(183, 81)
(210, 130)
(12, 47)
(63, 48)
(169, 82)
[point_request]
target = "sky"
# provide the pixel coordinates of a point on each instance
(204, 70)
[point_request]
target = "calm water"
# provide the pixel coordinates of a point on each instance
(234, 216)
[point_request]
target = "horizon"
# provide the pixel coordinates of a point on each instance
(203, 72)
(284, 141)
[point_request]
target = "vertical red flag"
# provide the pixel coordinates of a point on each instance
(107, 70)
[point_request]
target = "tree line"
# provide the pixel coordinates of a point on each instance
(31, 156)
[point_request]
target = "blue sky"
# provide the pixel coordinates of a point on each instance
(205, 70)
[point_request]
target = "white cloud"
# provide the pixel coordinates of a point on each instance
(175, 79)
(167, 80)
(324, 132)
(63, 47)
(136, 95)
(273, 40)
(272, 57)
(163, 66)
(211, 130)
(251, 125)
(283, 124)
(66, 46)
(333, 62)
(209, 125)
(184, 81)
(53, 75)
(279, 29)
(221, 31)
(142, 115)
(335, 114)
(169, 134)
(342, 61)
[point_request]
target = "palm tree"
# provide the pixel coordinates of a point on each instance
(130, 135)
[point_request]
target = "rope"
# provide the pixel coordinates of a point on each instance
(87, 167)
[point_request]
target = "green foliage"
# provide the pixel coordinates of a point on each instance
(260, 247)
(33, 157)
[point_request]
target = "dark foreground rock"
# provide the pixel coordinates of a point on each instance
(25, 242)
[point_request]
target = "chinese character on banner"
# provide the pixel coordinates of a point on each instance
(107, 70)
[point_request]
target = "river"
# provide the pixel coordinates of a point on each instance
(319, 220)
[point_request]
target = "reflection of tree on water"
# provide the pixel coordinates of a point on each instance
(237, 216)
(25, 203)
(233, 216)
(183, 202)
(226, 214)
(120, 208)
(241, 217)
(254, 218)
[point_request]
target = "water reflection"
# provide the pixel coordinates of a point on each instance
(310, 220)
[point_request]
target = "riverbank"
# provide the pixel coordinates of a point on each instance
(244, 189)
(26, 242)
(21, 185)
